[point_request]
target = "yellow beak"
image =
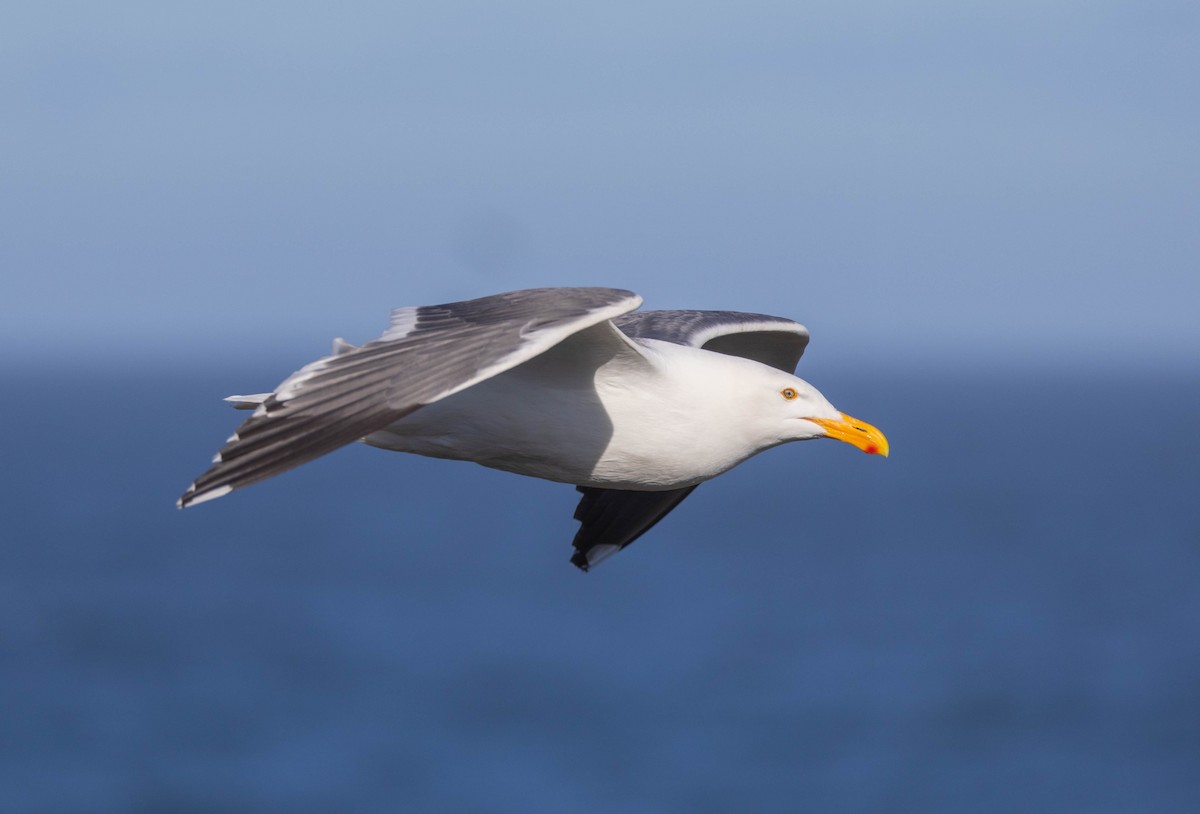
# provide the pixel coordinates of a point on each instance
(852, 431)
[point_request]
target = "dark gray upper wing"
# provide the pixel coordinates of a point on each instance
(610, 519)
(774, 341)
(428, 353)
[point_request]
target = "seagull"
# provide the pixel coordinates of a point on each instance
(634, 408)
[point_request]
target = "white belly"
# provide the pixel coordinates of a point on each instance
(580, 425)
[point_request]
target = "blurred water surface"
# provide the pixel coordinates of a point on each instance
(1003, 616)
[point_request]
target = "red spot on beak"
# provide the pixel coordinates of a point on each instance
(871, 449)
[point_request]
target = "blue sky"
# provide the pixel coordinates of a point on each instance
(936, 180)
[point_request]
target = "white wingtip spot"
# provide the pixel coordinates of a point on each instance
(216, 458)
(247, 402)
(600, 553)
(403, 323)
(207, 496)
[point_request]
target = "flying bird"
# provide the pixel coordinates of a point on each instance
(568, 384)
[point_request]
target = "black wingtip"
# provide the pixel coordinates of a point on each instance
(611, 519)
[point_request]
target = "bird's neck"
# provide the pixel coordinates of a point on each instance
(685, 424)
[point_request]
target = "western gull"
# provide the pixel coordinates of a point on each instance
(568, 384)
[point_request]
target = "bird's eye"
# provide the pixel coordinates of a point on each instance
(788, 393)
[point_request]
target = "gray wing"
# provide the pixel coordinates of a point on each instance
(610, 519)
(428, 353)
(774, 341)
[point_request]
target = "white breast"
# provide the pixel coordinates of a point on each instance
(673, 423)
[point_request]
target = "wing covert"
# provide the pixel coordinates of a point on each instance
(773, 341)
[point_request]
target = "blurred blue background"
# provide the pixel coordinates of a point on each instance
(986, 215)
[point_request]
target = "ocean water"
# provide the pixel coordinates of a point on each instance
(1004, 616)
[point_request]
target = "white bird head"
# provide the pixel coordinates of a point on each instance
(797, 411)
